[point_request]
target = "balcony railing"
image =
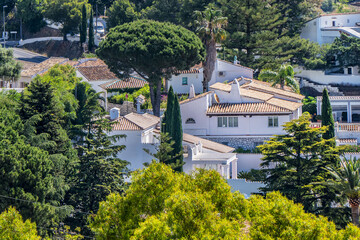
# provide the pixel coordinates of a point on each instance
(346, 127)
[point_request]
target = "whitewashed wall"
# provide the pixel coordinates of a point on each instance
(319, 76)
(251, 126)
(134, 152)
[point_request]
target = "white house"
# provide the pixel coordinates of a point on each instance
(243, 113)
(346, 113)
(325, 28)
(224, 71)
(142, 133)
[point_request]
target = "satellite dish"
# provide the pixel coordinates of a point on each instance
(216, 98)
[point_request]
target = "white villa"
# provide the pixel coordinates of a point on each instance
(141, 132)
(325, 28)
(346, 113)
(224, 71)
(243, 113)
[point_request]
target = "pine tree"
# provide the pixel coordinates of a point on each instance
(252, 27)
(83, 25)
(91, 31)
(99, 171)
(298, 159)
(326, 115)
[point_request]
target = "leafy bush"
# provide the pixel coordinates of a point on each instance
(161, 204)
(327, 6)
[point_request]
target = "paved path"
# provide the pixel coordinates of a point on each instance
(27, 56)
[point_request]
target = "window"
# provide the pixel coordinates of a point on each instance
(221, 74)
(333, 23)
(228, 122)
(233, 121)
(184, 81)
(349, 71)
(273, 121)
(348, 21)
(190, 121)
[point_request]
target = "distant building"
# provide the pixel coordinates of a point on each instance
(325, 28)
(224, 71)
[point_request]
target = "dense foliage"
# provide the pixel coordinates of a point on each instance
(161, 204)
(152, 49)
(296, 160)
(13, 227)
(172, 126)
(327, 116)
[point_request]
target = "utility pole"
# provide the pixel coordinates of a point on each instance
(4, 23)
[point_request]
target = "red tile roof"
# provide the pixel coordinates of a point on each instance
(245, 108)
(135, 122)
(97, 73)
(195, 98)
(131, 82)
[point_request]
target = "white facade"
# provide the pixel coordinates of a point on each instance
(224, 71)
(320, 77)
(135, 143)
(231, 116)
(326, 28)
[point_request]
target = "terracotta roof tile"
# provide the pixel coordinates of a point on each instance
(195, 98)
(243, 91)
(90, 62)
(43, 66)
(244, 108)
(131, 82)
(221, 86)
(97, 73)
(123, 124)
(135, 122)
(273, 90)
(284, 103)
(218, 147)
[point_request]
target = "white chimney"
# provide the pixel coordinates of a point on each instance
(192, 91)
(114, 113)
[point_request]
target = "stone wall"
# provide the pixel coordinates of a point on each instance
(125, 108)
(248, 143)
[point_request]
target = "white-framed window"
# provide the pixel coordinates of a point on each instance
(228, 122)
(273, 122)
(184, 81)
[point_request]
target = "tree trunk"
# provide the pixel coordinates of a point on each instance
(355, 214)
(209, 64)
(155, 96)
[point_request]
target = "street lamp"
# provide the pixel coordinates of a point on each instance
(4, 23)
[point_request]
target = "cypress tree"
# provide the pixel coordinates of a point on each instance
(167, 121)
(91, 32)
(326, 115)
(177, 135)
(83, 25)
(172, 129)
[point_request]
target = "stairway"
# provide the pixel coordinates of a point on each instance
(333, 91)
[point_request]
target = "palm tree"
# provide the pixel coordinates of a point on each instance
(284, 77)
(210, 28)
(347, 182)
